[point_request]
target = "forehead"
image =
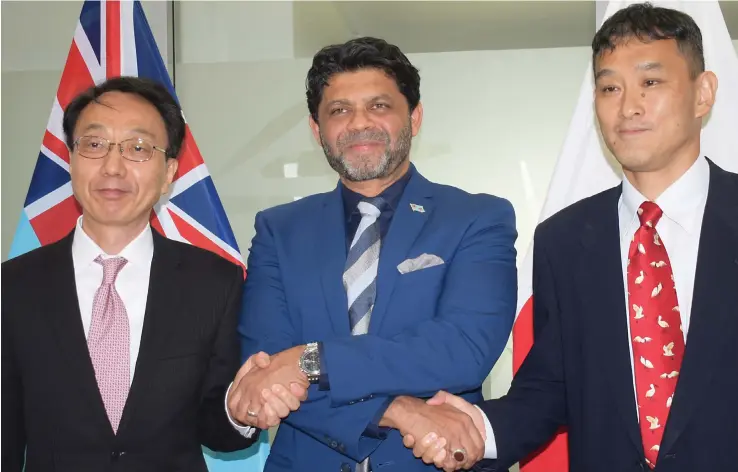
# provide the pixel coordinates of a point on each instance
(122, 110)
(360, 84)
(631, 54)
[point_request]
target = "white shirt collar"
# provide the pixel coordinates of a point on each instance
(138, 252)
(678, 201)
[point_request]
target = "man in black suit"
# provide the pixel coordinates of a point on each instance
(118, 345)
(636, 288)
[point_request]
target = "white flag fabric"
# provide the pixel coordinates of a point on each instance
(584, 168)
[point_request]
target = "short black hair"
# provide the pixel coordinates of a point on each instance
(356, 54)
(648, 23)
(152, 91)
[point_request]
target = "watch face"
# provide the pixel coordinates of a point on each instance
(311, 362)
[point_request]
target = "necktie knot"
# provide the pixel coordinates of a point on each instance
(111, 267)
(649, 213)
(371, 207)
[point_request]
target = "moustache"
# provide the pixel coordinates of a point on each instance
(362, 136)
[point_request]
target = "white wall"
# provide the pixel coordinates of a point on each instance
(494, 120)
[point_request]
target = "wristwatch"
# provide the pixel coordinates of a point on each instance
(310, 363)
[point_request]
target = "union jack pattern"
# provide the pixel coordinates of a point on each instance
(113, 38)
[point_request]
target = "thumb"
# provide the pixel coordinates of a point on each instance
(262, 360)
(438, 399)
(249, 365)
(459, 403)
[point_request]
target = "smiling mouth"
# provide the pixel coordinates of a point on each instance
(112, 193)
(365, 144)
(632, 132)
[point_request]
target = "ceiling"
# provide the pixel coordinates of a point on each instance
(443, 26)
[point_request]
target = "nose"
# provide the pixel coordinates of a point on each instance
(113, 163)
(360, 120)
(631, 103)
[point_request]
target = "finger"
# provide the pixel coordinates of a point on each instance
(438, 399)
(435, 448)
(298, 391)
(270, 416)
(292, 402)
(275, 403)
(424, 444)
(440, 458)
(408, 440)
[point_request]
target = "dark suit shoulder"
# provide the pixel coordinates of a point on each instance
(32, 262)
(200, 258)
(572, 217)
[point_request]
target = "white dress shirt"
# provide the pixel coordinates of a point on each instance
(132, 282)
(683, 204)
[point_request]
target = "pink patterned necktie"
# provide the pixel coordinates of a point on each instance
(109, 343)
(656, 329)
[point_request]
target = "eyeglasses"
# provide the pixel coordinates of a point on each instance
(135, 149)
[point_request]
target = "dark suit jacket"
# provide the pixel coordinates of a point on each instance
(578, 372)
(188, 356)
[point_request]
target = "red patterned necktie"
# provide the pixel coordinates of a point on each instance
(655, 328)
(109, 343)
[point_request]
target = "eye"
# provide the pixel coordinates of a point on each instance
(651, 82)
(336, 111)
(380, 105)
(608, 88)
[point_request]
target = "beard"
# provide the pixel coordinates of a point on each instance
(365, 166)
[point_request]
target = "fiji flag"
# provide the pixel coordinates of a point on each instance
(113, 38)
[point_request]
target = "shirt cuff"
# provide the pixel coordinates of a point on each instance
(245, 431)
(323, 383)
(490, 446)
(373, 430)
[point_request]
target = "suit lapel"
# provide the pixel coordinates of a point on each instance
(331, 252)
(601, 273)
(162, 312)
(62, 305)
(405, 227)
(714, 302)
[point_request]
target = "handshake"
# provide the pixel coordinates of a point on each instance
(445, 430)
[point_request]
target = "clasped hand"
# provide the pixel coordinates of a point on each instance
(447, 424)
(266, 389)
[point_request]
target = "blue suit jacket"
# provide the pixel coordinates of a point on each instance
(436, 328)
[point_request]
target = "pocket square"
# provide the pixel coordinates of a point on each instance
(423, 261)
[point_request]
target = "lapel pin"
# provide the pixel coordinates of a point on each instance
(418, 208)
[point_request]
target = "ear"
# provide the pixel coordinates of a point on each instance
(315, 128)
(416, 118)
(706, 84)
(172, 166)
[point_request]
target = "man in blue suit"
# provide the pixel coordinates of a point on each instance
(376, 294)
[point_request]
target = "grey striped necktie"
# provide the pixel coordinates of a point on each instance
(360, 274)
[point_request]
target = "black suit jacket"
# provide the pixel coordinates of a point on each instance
(578, 372)
(188, 356)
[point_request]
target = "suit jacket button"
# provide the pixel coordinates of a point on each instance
(345, 467)
(334, 444)
(115, 455)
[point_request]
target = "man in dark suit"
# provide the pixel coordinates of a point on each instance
(636, 288)
(388, 288)
(118, 344)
